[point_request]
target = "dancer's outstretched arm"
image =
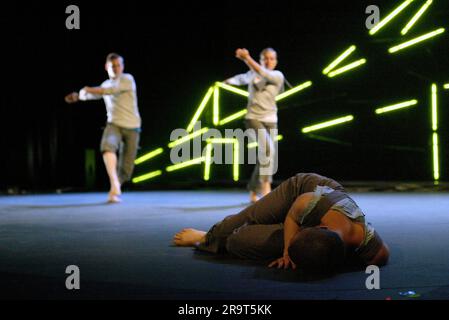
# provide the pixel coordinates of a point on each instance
(291, 228)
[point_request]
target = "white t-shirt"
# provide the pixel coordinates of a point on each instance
(263, 87)
(120, 98)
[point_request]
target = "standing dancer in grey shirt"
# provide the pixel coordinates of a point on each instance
(122, 130)
(264, 84)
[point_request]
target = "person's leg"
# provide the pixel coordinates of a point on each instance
(271, 209)
(110, 161)
(257, 242)
(267, 156)
(128, 154)
(254, 185)
(110, 143)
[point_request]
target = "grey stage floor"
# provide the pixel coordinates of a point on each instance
(124, 252)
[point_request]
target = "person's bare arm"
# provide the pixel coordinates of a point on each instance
(291, 228)
(271, 76)
(243, 54)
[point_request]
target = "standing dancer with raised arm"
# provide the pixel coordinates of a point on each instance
(122, 130)
(264, 84)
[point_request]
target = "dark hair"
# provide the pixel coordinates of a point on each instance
(114, 56)
(317, 251)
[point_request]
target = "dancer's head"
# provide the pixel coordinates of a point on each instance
(268, 58)
(317, 250)
(115, 65)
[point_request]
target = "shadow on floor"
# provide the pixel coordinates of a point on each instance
(261, 271)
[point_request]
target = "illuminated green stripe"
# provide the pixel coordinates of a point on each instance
(415, 18)
(327, 124)
(232, 89)
(337, 61)
(200, 109)
(233, 117)
(436, 160)
(149, 156)
(185, 164)
(397, 106)
(294, 90)
(390, 17)
(348, 67)
(187, 137)
(416, 40)
(147, 176)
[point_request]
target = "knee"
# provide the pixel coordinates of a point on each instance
(109, 145)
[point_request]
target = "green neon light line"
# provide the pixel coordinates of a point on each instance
(416, 40)
(221, 140)
(200, 109)
(337, 61)
(397, 106)
(348, 67)
(416, 17)
(216, 112)
(148, 156)
(208, 161)
(236, 161)
(436, 160)
(233, 117)
(327, 124)
(187, 137)
(294, 90)
(185, 164)
(390, 17)
(434, 107)
(446, 86)
(254, 144)
(147, 176)
(232, 89)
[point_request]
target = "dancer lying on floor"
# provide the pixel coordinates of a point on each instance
(309, 220)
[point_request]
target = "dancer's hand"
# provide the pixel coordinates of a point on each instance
(284, 262)
(242, 54)
(72, 97)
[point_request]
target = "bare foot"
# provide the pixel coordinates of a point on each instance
(115, 188)
(113, 198)
(189, 238)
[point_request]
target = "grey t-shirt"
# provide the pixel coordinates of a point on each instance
(263, 88)
(120, 99)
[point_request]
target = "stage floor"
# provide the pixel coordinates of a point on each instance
(124, 251)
